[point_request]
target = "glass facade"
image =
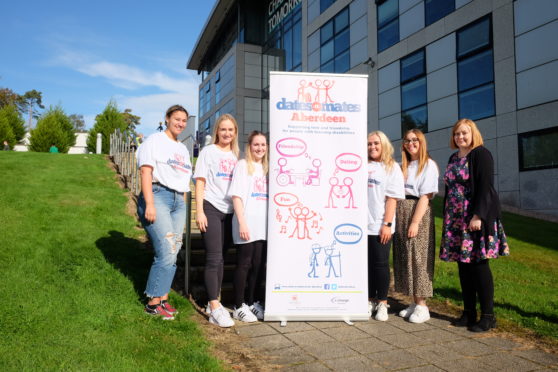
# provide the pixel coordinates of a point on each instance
(435, 10)
(285, 40)
(324, 4)
(335, 44)
(388, 23)
(414, 112)
(475, 70)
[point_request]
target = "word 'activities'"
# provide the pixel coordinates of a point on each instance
(318, 198)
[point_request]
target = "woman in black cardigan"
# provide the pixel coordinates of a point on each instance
(472, 232)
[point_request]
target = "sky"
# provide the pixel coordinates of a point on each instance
(81, 54)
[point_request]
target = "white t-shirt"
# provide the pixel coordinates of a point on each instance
(253, 192)
(382, 184)
(425, 183)
(216, 167)
(170, 161)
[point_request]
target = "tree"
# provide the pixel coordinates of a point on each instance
(11, 114)
(30, 99)
(54, 127)
(6, 133)
(106, 123)
(132, 121)
(77, 122)
(9, 97)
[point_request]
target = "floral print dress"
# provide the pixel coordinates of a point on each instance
(458, 243)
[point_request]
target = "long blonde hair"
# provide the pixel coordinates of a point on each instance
(249, 160)
(476, 136)
(215, 137)
(386, 156)
(423, 152)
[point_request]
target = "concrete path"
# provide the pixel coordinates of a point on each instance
(392, 345)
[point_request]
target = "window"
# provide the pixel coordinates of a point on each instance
(217, 87)
(335, 44)
(414, 111)
(287, 37)
(475, 70)
(388, 23)
(437, 9)
(537, 149)
(324, 4)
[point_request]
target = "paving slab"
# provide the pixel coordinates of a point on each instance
(355, 363)
(369, 345)
(346, 333)
(307, 367)
(436, 335)
(434, 353)
(396, 359)
(270, 342)
(309, 337)
(329, 350)
(429, 368)
(376, 328)
(538, 356)
(289, 356)
(256, 330)
(499, 342)
(508, 362)
(292, 327)
(463, 365)
(468, 347)
(405, 340)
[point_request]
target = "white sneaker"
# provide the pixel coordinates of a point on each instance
(381, 311)
(244, 314)
(208, 309)
(221, 317)
(408, 311)
(420, 315)
(371, 308)
(258, 310)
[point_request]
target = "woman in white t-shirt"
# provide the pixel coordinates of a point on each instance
(214, 209)
(166, 172)
(249, 195)
(385, 186)
(413, 243)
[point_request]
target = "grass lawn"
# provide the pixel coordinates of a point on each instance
(525, 283)
(73, 271)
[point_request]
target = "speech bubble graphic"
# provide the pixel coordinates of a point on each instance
(348, 162)
(291, 147)
(285, 199)
(347, 233)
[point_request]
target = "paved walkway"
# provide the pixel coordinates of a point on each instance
(392, 345)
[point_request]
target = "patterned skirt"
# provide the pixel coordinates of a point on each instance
(413, 259)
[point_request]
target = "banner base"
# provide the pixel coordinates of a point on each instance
(347, 318)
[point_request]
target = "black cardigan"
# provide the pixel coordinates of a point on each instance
(484, 198)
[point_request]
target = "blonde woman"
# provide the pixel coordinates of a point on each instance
(413, 242)
(214, 209)
(249, 195)
(472, 233)
(385, 187)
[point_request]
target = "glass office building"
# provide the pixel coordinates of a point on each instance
(429, 62)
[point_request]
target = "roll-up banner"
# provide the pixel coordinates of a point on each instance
(317, 243)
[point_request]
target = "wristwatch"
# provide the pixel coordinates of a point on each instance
(388, 224)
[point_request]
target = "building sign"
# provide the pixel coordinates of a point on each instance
(317, 243)
(277, 10)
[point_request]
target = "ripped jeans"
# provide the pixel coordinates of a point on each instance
(166, 235)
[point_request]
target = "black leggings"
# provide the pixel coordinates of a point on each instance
(217, 239)
(476, 279)
(247, 274)
(378, 268)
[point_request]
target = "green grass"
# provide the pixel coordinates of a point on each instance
(525, 283)
(73, 271)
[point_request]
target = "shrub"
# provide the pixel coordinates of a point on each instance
(10, 113)
(54, 127)
(106, 123)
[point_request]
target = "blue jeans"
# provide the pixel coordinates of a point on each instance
(166, 235)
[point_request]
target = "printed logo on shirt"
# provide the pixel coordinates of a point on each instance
(260, 188)
(372, 181)
(226, 167)
(179, 163)
(409, 186)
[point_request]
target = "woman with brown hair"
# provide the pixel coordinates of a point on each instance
(413, 243)
(472, 231)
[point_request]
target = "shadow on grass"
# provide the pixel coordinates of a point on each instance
(130, 256)
(527, 314)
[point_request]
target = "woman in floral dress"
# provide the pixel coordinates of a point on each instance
(472, 232)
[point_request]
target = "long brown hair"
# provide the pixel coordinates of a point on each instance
(423, 152)
(249, 160)
(215, 136)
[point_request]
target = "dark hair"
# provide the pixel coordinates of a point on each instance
(171, 110)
